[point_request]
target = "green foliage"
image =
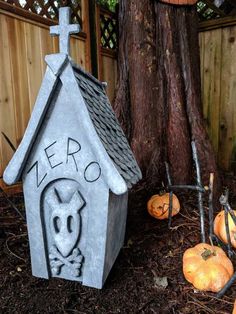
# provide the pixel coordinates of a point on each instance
(109, 4)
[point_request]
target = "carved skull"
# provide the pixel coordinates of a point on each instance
(65, 221)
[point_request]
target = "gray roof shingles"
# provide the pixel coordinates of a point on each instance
(107, 127)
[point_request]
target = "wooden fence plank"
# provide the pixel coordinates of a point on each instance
(7, 114)
(87, 44)
(78, 52)
(55, 43)
(217, 23)
(109, 75)
(33, 61)
(46, 45)
(211, 84)
(19, 76)
(227, 154)
(81, 59)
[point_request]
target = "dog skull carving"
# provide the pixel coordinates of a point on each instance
(65, 221)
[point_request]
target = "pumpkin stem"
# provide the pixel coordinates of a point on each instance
(207, 253)
(212, 245)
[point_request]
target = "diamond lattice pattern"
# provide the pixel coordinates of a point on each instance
(108, 32)
(49, 8)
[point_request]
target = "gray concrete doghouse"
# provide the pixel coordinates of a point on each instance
(76, 166)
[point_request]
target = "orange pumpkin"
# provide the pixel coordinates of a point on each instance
(207, 267)
(220, 231)
(180, 2)
(158, 205)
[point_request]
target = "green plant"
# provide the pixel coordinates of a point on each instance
(109, 4)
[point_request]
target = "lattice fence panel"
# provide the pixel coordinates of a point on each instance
(49, 8)
(109, 31)
(212, 9)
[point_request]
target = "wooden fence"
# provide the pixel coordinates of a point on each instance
(107, 51)
(218, 76)
(24, 41)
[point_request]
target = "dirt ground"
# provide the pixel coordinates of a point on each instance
(151, 252)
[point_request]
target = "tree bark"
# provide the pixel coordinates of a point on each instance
(158, 98)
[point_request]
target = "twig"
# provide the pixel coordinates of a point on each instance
(229, 245)
(210, 203)
(199, 183)
(222, 301)
(198, 187)
(145, 305)
(227, 286)
(168, 173)
(12, 253)
(221, 244)
(200, 305)
(188, 187)
(188, 218)
(12, 204)
(224, 201)
(182, 225)
(9, 142)
(170, 195)
(170, 209)
(211, 242)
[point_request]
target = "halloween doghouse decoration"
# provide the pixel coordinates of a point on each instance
(76, 166)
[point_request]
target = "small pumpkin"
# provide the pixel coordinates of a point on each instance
(207, 267)
(220, 231)
(180, 2)
(158, 205)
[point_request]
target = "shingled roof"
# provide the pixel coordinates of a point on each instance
(107, 126)
(87, 93)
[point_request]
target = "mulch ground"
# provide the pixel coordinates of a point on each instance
(146, 278)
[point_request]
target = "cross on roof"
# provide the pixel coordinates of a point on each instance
(64, 29)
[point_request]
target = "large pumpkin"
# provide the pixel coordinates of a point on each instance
(158, 205)
(180, 2)
(220, 231)
(207, 267)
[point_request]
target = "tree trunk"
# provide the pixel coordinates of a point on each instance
(158, 99)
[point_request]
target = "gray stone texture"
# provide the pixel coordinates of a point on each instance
(76, 166)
